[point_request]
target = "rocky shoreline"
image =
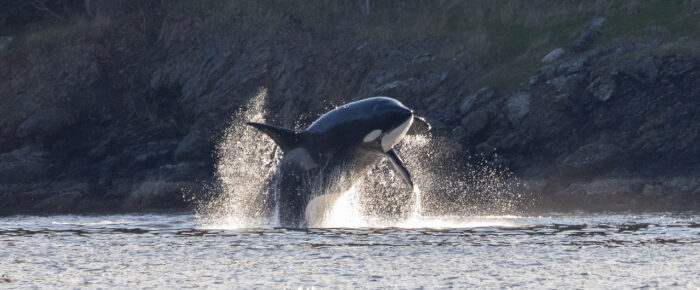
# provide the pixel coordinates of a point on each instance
(127, 118)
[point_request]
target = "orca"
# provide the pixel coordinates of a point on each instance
(327, 158)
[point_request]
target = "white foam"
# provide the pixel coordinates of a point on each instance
(347, 213)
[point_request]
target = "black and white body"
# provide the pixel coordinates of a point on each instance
(338, 148)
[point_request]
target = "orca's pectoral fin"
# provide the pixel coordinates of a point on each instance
(420, 126)
(400, 167)
(286, 139)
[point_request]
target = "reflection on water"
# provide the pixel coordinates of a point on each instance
(654, 250)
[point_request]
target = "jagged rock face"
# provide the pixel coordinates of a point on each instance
(5, 42)
(126, 120)
(636, 119)
(136, 117)
(589, 35)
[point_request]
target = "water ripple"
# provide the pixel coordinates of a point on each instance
(165, 251)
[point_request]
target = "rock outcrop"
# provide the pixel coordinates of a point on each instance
(604, 124)
(128, 119)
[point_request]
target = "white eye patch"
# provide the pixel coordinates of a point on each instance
(372, 135)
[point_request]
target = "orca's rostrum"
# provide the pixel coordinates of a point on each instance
(338, 148)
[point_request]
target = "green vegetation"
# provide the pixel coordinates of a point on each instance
(40, 22)
(509, 37)
(681, 18)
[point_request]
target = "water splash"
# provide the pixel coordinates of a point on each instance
(448, 194)
(245, 167)
(348, 213)
(486, 195)
(418, 204)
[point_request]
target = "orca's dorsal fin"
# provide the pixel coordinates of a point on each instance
(286, 139)
(400, 167)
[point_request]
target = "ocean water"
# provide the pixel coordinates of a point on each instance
(376, 235)
(659, 250)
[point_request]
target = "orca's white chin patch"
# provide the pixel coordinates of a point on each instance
(395, 136)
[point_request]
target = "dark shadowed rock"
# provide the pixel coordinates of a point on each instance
(585, 40)
(677, 185)
(589, 35)
(390, 88)
(610, 193)
(572, 65)
(154, 152)
(602, 88)
(475, 122)
(553, 55)
(645, 70)
(195, 145)
(26, 164)
(677, 65)
(5, 42)
(44, 122)
(155, 194)
(64, 202)
(563, 88)
(517, 106)
(478, 99)
(591, 157)
(135, 112)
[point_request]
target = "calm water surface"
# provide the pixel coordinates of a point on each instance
(611, 251)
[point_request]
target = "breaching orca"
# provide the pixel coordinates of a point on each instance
(335, 150)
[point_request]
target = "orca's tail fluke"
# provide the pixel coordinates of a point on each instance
(286, 139)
